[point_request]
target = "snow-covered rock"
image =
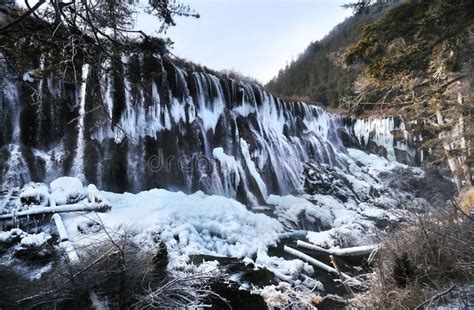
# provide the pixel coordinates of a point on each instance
(67, 190)
(35, 240)
(34, 194)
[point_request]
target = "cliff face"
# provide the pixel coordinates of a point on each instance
(151, 123)
(418, 60)
(414, 60)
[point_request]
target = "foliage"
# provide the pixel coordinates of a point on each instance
(319, 73)
(115, 274)
(406, 38)
(81, 31)
(364, 6)
(418, 59)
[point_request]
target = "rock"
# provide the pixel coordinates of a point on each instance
(10, 238)
(160, 259)
(331, 302)
(325, 180)
(35, 249)
(347, 139)
(235, 297)
(34, 194)
(67, 190)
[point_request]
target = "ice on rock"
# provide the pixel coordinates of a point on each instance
(253, 170)
(34, 194)
(188, 224)
(35, 240)
(290, 208)
(230, 169)
(284, 269)
(66, 190)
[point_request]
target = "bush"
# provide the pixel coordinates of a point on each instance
(428, 256)
(115, 273)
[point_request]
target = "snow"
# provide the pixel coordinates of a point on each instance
(188, 224)
(289, 208)
(8, 236)
(29, 76)
(35, 240)
(286, 270)
(66, 188)
(35, 192)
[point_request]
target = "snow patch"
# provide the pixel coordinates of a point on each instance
(66, 190)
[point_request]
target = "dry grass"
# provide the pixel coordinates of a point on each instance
(427, 257)
(116, 273)
(467, 201)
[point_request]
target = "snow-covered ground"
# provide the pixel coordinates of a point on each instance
(200, 224)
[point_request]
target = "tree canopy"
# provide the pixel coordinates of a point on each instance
(87, 29)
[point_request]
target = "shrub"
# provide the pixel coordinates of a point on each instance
(114, 273)
(428, 256)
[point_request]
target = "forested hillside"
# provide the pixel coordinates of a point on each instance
(319, 73)
(413, 59)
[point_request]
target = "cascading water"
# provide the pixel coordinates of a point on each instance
(388, 137)
(158, 125)
(78, 165)
(12, 164)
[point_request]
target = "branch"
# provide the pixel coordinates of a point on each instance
(354, 251)
(21, 18)
(319, 264)
(432, 299)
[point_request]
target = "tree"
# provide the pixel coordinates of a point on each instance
(417, 60)
(364, 6)
(90, 28)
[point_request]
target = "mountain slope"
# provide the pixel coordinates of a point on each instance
(319, 73)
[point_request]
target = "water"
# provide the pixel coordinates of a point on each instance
(184, 130)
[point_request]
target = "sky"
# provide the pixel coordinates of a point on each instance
(254, 37)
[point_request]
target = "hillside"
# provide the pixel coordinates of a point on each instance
(319, 73)
(414, 59)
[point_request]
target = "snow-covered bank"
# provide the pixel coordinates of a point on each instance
(338, 207)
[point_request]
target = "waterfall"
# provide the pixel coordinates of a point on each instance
(13, 166)
(78, 166)
(182, 129)
(388, 137)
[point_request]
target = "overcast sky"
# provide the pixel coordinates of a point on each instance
(254, 37)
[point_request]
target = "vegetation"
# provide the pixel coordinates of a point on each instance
(413, 59)
(427, 263)
(74, 32)
(418, 58)
(111, 274)
(319, 74)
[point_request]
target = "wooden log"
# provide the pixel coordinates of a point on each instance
(354, 251)
(65, 244)
(78, 207)
(320, 265)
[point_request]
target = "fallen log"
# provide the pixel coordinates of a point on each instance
(78, 207)
(321, 265)
(64, 244)
(354, 251)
